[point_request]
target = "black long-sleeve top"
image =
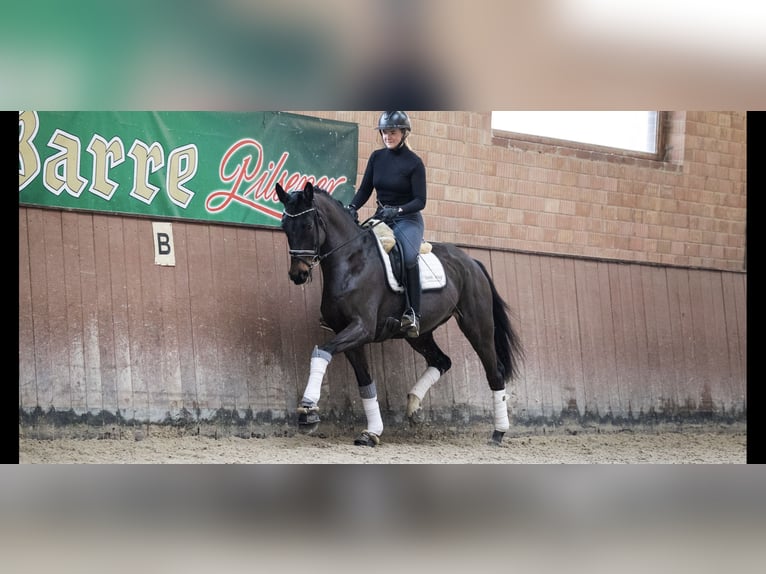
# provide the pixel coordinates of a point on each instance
(399, 178)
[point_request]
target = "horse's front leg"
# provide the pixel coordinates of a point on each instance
(308, 412)
(369, 394)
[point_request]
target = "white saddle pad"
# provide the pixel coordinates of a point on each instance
(431, 271)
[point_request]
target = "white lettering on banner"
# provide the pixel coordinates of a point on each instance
(29, 159)
(61, 171)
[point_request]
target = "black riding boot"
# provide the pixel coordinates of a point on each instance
(411, 317)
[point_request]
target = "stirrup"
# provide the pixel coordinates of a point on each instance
(367, 438)
(410, 324)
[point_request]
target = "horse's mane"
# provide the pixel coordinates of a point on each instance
(326, 193)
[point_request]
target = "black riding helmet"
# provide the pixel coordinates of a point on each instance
(392, 120)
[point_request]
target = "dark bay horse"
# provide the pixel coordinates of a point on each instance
(360, 308)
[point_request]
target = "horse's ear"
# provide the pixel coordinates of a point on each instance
(308, 191)
(281, 194)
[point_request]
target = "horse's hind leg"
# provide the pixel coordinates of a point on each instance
(438, 364)
(481, 336)
(371, 435)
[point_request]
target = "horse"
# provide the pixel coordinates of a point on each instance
(360, 307)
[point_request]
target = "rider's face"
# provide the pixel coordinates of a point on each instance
(392, 137)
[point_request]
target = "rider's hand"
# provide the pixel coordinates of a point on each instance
(352, 212)
(387, 214)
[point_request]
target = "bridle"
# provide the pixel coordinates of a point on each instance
(309, 257)
(312, 257)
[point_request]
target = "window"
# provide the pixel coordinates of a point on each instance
(630, 130)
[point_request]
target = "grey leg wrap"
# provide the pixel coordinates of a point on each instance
(317, 352)
(368, 391)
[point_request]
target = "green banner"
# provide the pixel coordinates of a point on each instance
(211, 166)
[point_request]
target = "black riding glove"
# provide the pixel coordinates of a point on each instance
(352, 212)
(387, 214)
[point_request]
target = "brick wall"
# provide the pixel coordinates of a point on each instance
(688, 209)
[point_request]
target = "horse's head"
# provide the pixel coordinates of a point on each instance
(304, 230)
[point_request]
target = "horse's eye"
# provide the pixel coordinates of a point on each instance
(309, 226)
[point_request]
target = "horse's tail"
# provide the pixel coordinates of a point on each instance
(507, 343)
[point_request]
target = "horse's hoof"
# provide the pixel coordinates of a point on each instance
(497, 438)
(367, 438)
(417, 417)
(414, 410)
(308, 418)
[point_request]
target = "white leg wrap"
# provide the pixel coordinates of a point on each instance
(316, 374)
(499, 399)
(425, 382)
(372, 411)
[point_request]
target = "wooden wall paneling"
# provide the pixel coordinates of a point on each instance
(270, 374)
(630, 376)
(74, 333)
(700, 350)
(105, 318)
(219, 309)
(249, 315)
(528, 318)
(570, 389)
(154, 384)
(169, 376)
(187, 365)
(203, 320)
(291, 307)
(740, 296)
(27, 348)
(590, 299)
(122, 336)
(645, 396)
(226, 303)
(654, 314)
(666, 380)
(732, 286)
(38, 281)
(609, 383)
(90, 314)
(138, 339)
(627, 378)
(101, 327)
(551, 361)
(681, 334)
(653, 393)
(720, 366)
(59, 392)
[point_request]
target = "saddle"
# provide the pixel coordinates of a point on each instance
(432, 276)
